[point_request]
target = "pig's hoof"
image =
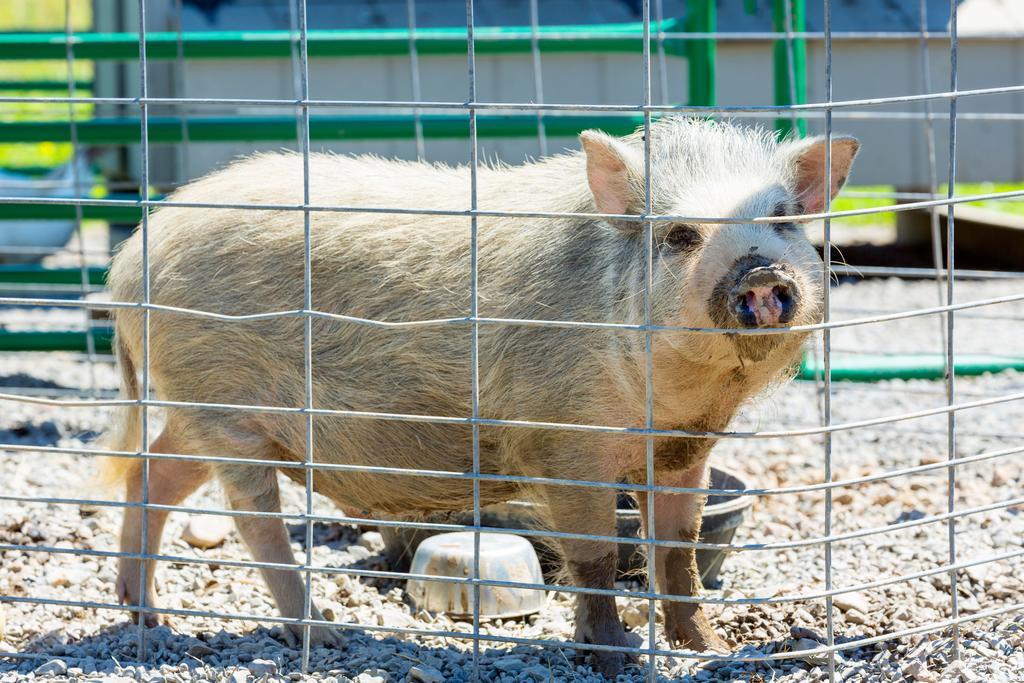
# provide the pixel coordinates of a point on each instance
(608, 664)
(150, 620)
(126, 596)
(319, 636)
(698, 640)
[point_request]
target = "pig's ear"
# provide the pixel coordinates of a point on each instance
(807, 158)
(611, 172)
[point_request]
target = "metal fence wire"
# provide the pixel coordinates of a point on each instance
(948, 310)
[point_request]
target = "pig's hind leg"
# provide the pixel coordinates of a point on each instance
(255, 489)
(169, 482)
(591, 564)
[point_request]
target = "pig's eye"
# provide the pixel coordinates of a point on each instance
(782, 228)
(682, 238)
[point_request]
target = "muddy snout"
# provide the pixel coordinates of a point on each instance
(764, 296)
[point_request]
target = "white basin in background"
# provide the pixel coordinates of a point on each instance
(43, 235)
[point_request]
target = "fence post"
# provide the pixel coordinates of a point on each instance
(700, 53)
(790, 58)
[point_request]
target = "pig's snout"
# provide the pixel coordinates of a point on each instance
(764, 296)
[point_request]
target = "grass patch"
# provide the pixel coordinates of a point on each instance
(888, 218)
(44, 15)
(846, 203)
(41, 15)
(1014, 206)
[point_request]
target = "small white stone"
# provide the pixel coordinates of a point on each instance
(262, 667)
(372, 541)
(206, 531)
(958, 671)
(239, 676)
(849, 601)
(358, 552)
(969, 604)
(855, 616)
(802, 616)
(426, 674)
(509, 664)
(912, 668)
(54, 667)
(807, 644)
(367, 677)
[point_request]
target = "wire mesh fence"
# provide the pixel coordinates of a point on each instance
(934, 417)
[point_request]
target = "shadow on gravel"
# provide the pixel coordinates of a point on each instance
(32, 434)
(333, 536)
(218, 656)
(22, 380)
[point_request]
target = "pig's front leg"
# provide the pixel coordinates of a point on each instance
(591, 564)
(677, 518)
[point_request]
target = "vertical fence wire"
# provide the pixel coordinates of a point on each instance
(144, 413)
(77, 189)
(787, 14)
(474, 309)
(826, 336)
(180, 90)
(933, 174)
(414, 79)
(307, 330)
(659, 18)
(950, 327)
(538, 76)
(295, 47)
(648, 247)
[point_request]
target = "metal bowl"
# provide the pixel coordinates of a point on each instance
(722, 516)
(503, 557)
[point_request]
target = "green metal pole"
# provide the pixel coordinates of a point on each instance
(56, 340)
(932, 366)
(790, 76)
(43, 85)
(700, 54)
(622, 37)
(36, 275)
(126, 214)
(167, 129)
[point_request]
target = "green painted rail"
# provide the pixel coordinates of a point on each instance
(168, 129)
(39, 275)
(126, 213)
(619, 37)
(874, 368)
(45, 85)
(56, 340)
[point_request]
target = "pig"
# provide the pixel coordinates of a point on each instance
(404, 266)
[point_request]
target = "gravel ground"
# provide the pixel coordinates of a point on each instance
(57, 641)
